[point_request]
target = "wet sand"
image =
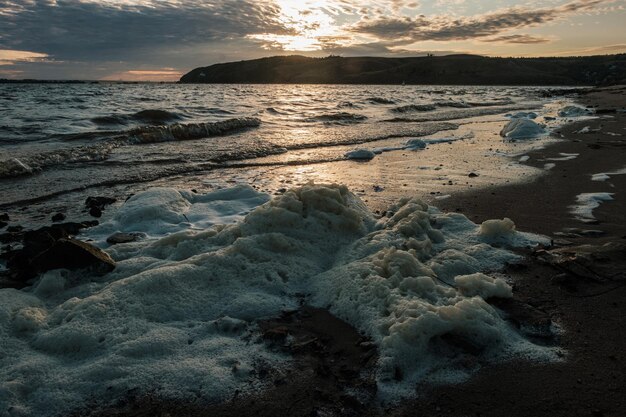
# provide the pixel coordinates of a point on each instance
(592, 312)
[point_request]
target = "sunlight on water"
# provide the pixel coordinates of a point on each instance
(85, 136)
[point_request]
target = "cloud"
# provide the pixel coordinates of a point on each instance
(517, 39)
(121, 30)
(97, 39)
(619, 48)
(10, 57)
(145, 75)
(443, 28)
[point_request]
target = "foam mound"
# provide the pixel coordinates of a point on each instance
(574, 111)
(177, 316)
(190, 131)
(522, 128)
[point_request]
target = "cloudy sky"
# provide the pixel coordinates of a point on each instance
(161, 39)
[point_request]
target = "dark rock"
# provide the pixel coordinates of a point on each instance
(599, 263)
(22, 262)
(95, 212)
(472, 175)
(3, 224)
(606, 111)
(4, 217)
(10, 237)
(73, 254)
(58, 217)
(116, 238)
(98, 202)
(15, 229)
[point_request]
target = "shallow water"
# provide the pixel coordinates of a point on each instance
(79, 139)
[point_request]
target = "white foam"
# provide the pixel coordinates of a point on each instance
(497, 228)
(177, 315)
(161, 211)
(524, 158)
(549, 166)
(519, 129)
(603, 176)
(587, 202)
(564, 157)
(574, 111)
(600, 177)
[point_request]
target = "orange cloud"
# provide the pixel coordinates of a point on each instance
(10, 57)
(166, 74)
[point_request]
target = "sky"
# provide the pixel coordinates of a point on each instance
(160, 40)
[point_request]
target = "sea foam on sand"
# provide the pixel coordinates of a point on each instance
(522, 128)
(176, 318)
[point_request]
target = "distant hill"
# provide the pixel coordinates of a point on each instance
(450, 69)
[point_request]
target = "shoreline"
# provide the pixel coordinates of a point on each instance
(589, 382)
(591, 379)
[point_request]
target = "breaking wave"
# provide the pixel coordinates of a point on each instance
(380, 100)
(190, 131)
(338, 118)
(449, 103)
(101, 150)
(414, 108)
(152, 116)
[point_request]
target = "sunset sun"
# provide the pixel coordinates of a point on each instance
(308, 24)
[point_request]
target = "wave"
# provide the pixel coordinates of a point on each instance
(190, 131)
(460, 113)
(469, 104)
(338, 118)
(348, 104)
(14, 168)
(414, 108)
(217, 110)
(150, 116)
(155, 116)
(273, 110)
(502, 102)
(114, 119)
(142, 135)
(380, 100)
(454, 104)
